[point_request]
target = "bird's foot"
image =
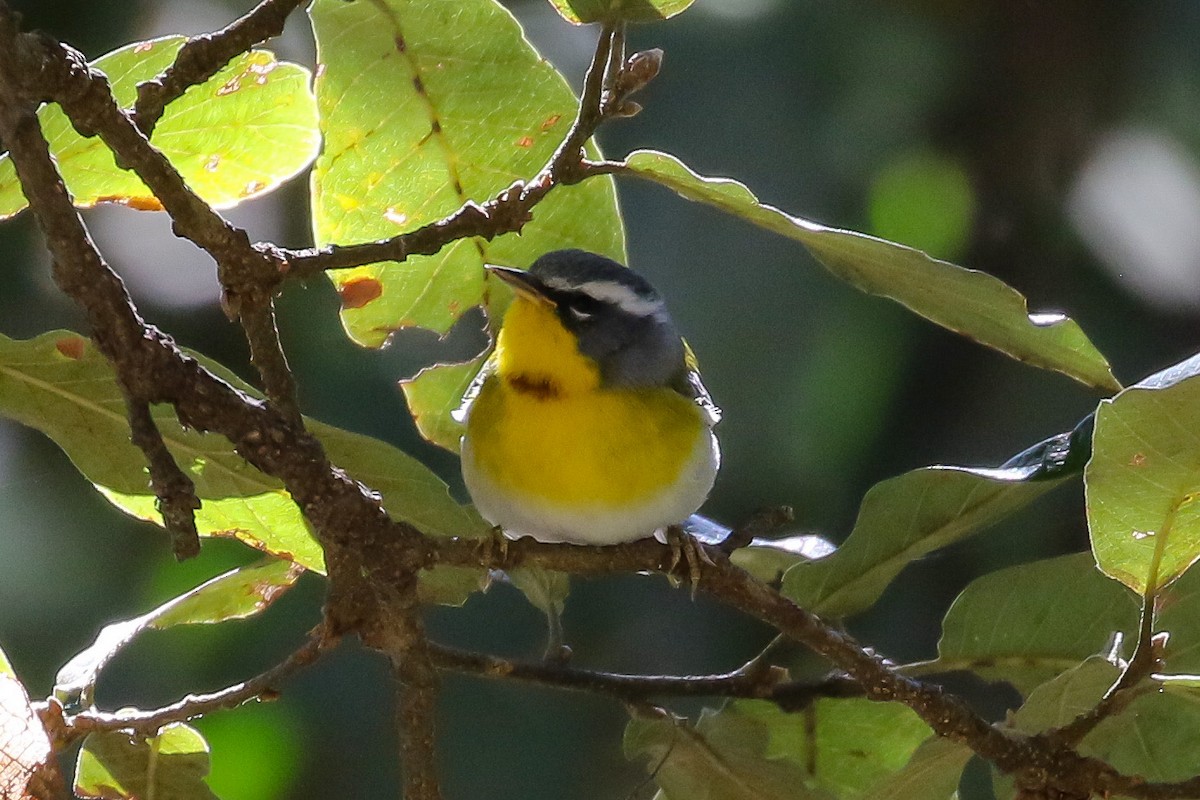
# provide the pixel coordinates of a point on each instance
(493, 551)
(688, 551)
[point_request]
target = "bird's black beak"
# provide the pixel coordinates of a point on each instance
(523, 283)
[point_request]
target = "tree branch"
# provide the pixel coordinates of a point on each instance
(148, 723)
(759, 684)
(1146, 658)
(174, 492)
(349, 522)
(204, 56)
(266, 353)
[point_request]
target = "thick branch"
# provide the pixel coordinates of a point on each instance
(1034, 759)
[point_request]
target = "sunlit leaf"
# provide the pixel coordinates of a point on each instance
(1143, 481)
(769, 559)
(583, 11)
(969, 302)
(1179, 614)
(169, 766)
(1155, 736)
(902, 519)
(237, 594)
(59, 384)
(425, 106)
(433, 393)
(238, 135)
(1026, 624)
(1057, 703)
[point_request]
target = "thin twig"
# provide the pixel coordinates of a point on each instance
(760, 684)
(1145, 659)
(174, 492)
(204, 56)
(762, 523)
(147, 723)
(266, 353)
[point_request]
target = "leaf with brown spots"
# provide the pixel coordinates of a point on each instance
(238, 135)
(425, 106)
(357, 292)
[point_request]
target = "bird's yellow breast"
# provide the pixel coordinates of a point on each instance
(544, 427)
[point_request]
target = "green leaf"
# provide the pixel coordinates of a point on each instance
(1143, 482)
(1157, 737)
(1179, 614)
(965, 301)
(1029, 623)
(902, 519)
(769, 559)
(846, 746)
(238, 594)
(434, 393)
(26, 757)
(1057, 703)
(236, 136)
(169, 766)
(722, 758)
(933, 773)
(547, 592)
(584, 11)
(426, 106)
(59, 384)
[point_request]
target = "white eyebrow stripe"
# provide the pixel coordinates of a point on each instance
(612, 292)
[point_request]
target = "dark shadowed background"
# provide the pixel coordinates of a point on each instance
(1053, 144)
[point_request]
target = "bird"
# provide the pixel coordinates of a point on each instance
(589, 423)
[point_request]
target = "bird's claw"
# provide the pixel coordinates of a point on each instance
(494, 549)
(688, 551)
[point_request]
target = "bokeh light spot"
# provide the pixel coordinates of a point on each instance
(923, 199)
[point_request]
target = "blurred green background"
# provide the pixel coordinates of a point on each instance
(1053, 144)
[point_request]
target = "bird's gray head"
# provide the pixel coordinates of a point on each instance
(621, 321)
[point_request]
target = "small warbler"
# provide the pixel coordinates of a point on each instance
(589, 423)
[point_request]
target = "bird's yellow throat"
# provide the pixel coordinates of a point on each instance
(534, 348)
(543, 426)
